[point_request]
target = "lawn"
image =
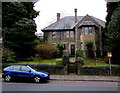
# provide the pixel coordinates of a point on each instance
(87, 62)
(46, 61)
(91, 62)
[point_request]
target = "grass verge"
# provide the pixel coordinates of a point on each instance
(91, 62)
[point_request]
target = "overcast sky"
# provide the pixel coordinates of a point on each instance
(49, 8)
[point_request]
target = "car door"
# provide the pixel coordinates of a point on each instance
(26, 72)
(15, 71)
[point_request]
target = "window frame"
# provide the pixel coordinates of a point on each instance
(72, 34)
(54, 34)
(88, 30)
(69, 34)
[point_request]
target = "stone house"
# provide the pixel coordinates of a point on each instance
(75, 31)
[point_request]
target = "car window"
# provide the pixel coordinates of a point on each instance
(24, 68)
(15, 68)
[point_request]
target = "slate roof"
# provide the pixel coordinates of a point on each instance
(68, 23)
(101, 22)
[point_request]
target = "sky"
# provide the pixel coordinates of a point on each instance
(49, 9)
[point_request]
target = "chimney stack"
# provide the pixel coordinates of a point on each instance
(58, 16)
(75, 15)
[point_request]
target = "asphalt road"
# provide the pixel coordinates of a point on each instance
(53, 85)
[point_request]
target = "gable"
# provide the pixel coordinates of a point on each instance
(91, 21)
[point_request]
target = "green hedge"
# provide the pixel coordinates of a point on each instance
(100, 70)
(60, 69)
(52, 69)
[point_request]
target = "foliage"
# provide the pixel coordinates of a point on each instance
(80, 53)
(45, 50)
(80, 60)
(113, 35)
(89, 47)
(18, 28)
(58, 50)
(52, 69)
(45, 37)
(65, 60)
(21, 37)
(111, 6)
(100, 70)
(8, 56)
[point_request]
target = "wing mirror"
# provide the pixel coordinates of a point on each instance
(29, 71)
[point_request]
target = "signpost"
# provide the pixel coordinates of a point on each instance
(109, 54)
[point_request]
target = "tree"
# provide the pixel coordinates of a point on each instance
(19, 28)
(111, 6)
(112, 34)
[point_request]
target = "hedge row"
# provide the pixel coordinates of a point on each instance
(52, 69)
(60, 69)
(100, 70)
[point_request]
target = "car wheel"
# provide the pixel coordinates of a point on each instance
(7, 78)
(37, 79)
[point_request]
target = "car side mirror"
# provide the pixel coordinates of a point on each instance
(29, 71)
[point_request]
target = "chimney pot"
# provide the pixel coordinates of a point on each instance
(58, 16)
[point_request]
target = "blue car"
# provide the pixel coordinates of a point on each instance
(24, 72)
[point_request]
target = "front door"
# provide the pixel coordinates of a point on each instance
(72, 49)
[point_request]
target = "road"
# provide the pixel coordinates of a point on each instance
(54, 85)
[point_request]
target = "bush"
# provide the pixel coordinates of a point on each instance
(105, 70)
(8, 56)
(65, 60)
(45, 50)
(52, 69)
(80, 53)
(80, 60)
(58, 50)
(89, 47)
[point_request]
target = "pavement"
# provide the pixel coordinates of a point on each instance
(74, 77)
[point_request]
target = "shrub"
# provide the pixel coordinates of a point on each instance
(79, 53)
(89, 47)
(105, 70)
(80, 60)
(57, 53)
(52, 69)
(58, 50)
(45, 50)
(8, 56)
(65, 60)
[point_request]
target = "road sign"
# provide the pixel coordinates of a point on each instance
(109, 54)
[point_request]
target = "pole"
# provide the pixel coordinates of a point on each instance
(110, 65)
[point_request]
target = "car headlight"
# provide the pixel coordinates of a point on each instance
(44, 75)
